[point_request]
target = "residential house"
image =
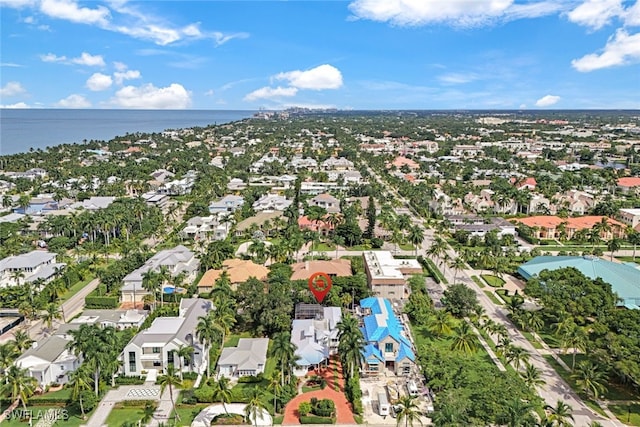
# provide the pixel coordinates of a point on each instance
(176, 260)
(155, 199)
(247, 359)
(119, 319)
(239, 271)
(205, 227)
(314, 332)
(334, 268)
(49, 361)
(631, 217)
(553, 227)
(154, 348)
(314, 188)
(388, 345)
(401, 161)
(228, 204)
(236, 184)
(94, 203)
(387, 276)
(629, 184)
(340, 163)
(327, 202)
(298, 162)
(322, 227)
(29, 268)
(271, 202)
(257, 221)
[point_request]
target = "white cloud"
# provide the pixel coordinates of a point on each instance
(126, 75)
(210, 92)
(595, 14)
(73, 101)
(421, 12)
(534, 10)
(221, 38)
(16, 4)
(174, 96)
(89, 60)
(120, 66)
(632, 15)
(547, 101)
(623, 48)
(71, 11)
(269, 92)
(321, 77)
(16, 105)
(99, 81)
(523, 106)
(457, 78)
(12, 89)
(84, 59)
(10, 64)
(51, 57)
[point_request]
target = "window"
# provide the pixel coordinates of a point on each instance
(170, 358)
(132, 361)
(157, 363)
(155, 350)
(388, 347)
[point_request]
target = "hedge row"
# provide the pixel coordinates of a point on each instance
(130, 380)
(100, 302)
(313, 419)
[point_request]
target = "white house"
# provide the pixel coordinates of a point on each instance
(119, 319)
(29, 267)
(154, 348)
(271, 202)
(229, 204)
(248, 358)
(49, 361)
(314, 332)
(326, 201)
(177, 260)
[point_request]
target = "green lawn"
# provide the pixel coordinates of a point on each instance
(477, 281)
(492, 297)
(188, 412)
(232, 340)
(628, 414)
(364, 247)
(324, 247)
(629, 259)
(504, 296)
(75, 289)
(406, 247)
(493, 281)
(119, 416)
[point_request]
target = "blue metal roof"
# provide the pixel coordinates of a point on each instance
(623, 278)
(372, 354)
(382, 323)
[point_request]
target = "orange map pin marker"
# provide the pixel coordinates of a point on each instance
(319, 285)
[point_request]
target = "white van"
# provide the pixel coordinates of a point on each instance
(383, 404)
(412, 388)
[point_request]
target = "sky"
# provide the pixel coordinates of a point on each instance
(346, 54)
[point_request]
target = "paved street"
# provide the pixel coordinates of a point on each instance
(555, 387)
(73, 306)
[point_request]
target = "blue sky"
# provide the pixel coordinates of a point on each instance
(351, 54)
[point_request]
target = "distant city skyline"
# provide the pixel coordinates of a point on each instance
(351, 54)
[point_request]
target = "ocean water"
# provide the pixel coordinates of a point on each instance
(22, 130)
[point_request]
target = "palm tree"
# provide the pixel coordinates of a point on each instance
(8, 354)
(80, 382)
(222, 392)
(590, 378)
(517, 356)
(224, 316)
(275, 388)
(170, 380)
(531, 376)
(184, 353)
(614, 245)
(516, 413)
(52, 312)
(351, 344)
(416, 236)
(559, 414)
(409, 411)
(22, 341)
(576, 338)
(465, 339)
(440, 323)
(255, 405)
(19, 385)
(457, 265)
(283, 349)
(207, 331)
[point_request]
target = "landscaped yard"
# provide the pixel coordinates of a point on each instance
(493, 281)
(232, 340)
(188, 412)
(72, 419)
(75, 288)
(628, 414)
(493, 298)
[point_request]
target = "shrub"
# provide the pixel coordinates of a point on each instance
(123, 380)
(310, 419)
(139, 403)
(304, 408)
(204, 394)
(100, 302)
(188, 397)
(250, 379)
(324, 408)
(357, 407)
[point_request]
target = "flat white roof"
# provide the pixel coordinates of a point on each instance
(382, 265)
(165, 325)
(634, 211)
